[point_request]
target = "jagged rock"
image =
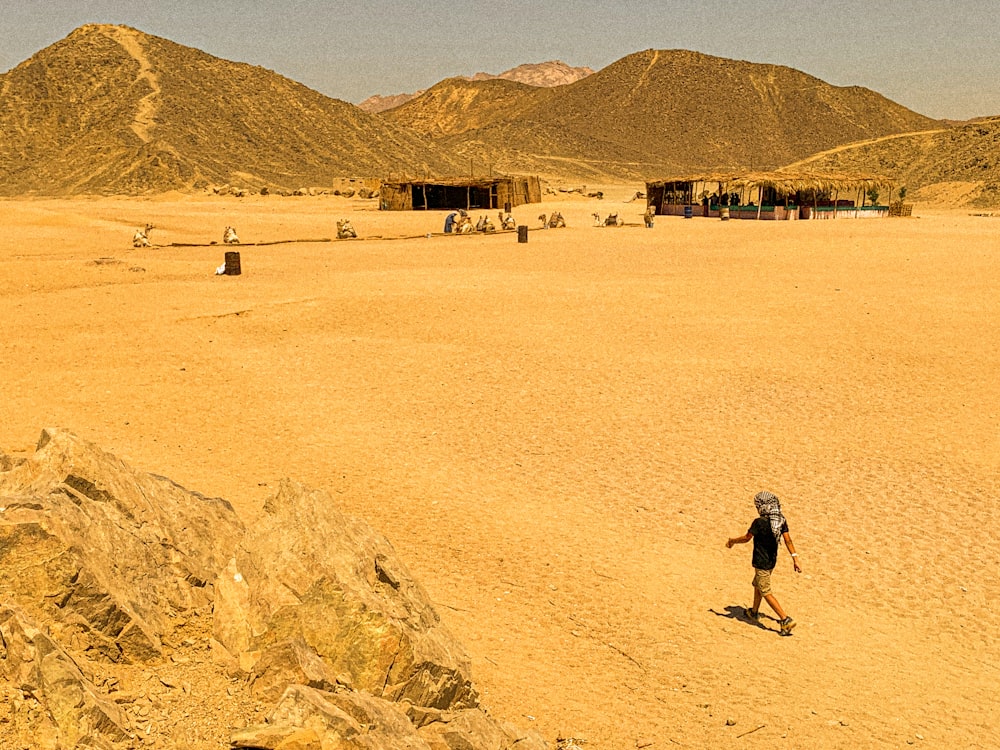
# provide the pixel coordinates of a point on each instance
(470, 729)
(300, 709)
(341, 588)
(8, 462)
(465, 730)
(309, 718)
(336, 720)
(41, 669)
(287, 663)
(119, 568)
(105, 552)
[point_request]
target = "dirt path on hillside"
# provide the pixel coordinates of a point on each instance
(145, 116)
(860, 144)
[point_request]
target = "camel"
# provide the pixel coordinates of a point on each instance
(141, 236)
(485, 225)
(556, 220)
(463, 224)
(506, 221)
(613, 220)
(545, 223)
(345, 230)
(229, 237)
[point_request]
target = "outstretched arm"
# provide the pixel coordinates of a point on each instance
(791, 550)
(739, 540)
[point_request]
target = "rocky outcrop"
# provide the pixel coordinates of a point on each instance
(105, 552)
(134, 612)
(308, 572)
(309, 719)
(49, 696)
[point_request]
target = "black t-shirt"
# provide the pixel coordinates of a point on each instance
(765, 546)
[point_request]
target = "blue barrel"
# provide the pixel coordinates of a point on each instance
(688, 212)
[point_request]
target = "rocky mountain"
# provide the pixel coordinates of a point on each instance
(548, 74)
(378, 103)
(651, 112)
(958, 165)
(112, 110)
(134, 612)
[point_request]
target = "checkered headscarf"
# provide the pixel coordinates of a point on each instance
(769, 507)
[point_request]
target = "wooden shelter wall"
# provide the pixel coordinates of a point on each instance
(395, 197)
(478, 194)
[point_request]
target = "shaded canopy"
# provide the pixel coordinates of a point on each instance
(784, 182)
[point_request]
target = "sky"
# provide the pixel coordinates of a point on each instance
(941, 59)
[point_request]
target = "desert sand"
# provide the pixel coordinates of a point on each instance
(559, 436)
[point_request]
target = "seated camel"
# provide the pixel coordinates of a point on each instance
(556, 220)
(345, 230)
(463, 224)
(229, 237)
(141, 236)
(506, 221)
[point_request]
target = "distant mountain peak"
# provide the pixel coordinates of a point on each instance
(544, 74)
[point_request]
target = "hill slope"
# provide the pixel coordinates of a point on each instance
(110, 109)
(959, 165)
(656, 110)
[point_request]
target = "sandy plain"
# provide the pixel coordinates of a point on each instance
(559, 436)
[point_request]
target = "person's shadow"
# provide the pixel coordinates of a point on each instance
(742, 614)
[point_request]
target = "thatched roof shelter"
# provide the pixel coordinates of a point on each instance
(778, 189)
(464, 193)
(785, 182)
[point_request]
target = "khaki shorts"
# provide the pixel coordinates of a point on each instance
(762, 581)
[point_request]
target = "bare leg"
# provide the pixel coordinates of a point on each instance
(756, 599)
(774, 605)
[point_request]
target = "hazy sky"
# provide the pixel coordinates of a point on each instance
(941, 59)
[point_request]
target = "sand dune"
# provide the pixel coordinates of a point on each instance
(558, 438)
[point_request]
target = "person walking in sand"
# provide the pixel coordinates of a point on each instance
(767, 530)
